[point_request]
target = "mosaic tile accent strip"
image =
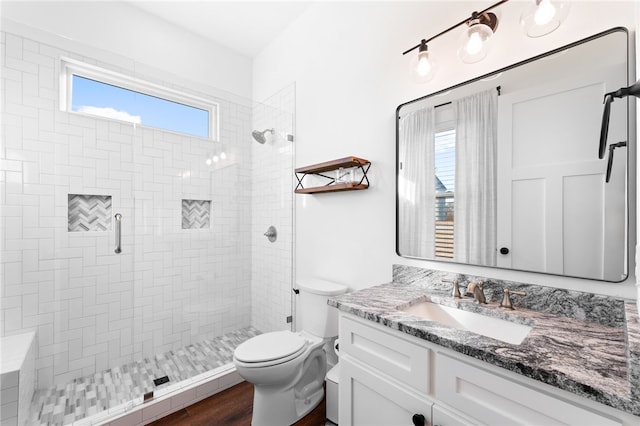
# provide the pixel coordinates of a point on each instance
(89, 395)
(89, 213)
(196, 214)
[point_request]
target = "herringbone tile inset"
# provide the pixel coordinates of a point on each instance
(196, 214)
(89, 213)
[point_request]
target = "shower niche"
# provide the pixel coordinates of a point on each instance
(344, 174)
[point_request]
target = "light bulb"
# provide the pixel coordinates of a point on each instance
(208, 161)
(544, 13)
(422, 66)
(542, 17)
(474, 45)
(215, 158)
(475, 42)
(223, 155)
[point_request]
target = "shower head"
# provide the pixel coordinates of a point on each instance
(260, 136)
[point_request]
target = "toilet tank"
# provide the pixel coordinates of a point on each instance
(314, 315)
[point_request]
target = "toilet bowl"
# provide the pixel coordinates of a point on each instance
(288, 368)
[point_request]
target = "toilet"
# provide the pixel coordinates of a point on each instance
(288, 368)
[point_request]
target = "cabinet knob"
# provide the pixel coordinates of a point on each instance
(504, 250)
(419, 420)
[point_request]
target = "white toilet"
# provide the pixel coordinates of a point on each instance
(288, 369)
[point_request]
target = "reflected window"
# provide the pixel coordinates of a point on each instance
(445, 168)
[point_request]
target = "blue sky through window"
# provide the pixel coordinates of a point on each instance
(97, 98)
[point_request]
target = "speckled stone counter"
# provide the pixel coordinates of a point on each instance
(579, 342)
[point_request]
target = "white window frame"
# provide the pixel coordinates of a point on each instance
(70, 67)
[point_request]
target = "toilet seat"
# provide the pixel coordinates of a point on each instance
(270, 348)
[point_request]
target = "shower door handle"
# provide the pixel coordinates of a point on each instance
(118, 230)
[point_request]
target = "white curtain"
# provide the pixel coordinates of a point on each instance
(416, 184)
(475, 194)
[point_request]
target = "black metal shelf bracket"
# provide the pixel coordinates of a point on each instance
(332, 180)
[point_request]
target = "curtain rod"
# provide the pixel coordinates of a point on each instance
(498, 88)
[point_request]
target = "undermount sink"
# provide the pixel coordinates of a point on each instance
(495, 328)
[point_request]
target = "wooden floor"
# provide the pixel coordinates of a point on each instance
(232, 407)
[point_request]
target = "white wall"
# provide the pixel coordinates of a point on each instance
(118, 27)
(350, 75)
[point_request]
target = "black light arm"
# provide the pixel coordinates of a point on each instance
(473, 16)
(633, 90)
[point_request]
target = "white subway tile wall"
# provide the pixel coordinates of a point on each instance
(272, 201)
(17, 377)
(168, 288)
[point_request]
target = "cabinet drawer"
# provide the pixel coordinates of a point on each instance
(396, 357)
(442, 417)
(497, 400)
(369, 399)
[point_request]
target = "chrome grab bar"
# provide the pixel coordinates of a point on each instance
(118, 249)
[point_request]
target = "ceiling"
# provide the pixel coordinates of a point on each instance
(243, 26)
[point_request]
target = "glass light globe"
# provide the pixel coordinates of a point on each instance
(475, 43)
(544, 16)
(422, 67)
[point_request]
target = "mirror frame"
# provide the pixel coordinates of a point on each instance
(630, 172)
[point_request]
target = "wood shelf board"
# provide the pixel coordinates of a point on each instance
(333, 165)
(332, 188)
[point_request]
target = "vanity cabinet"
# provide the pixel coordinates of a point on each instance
(387, 376)
(385, 379)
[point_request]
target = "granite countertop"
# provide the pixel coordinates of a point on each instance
(582, 343)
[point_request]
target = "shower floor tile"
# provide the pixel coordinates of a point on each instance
(89, 395)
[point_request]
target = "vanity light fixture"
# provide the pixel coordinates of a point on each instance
(542, 17)
(474, 43)
(476, 39)
(422, 67)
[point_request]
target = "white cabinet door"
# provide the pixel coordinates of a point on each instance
(369, 399)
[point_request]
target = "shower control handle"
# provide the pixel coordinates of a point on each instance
(271, 234)
(118, 231)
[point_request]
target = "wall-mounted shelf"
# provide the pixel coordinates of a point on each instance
(333, 185)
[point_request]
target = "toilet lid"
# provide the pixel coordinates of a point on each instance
(269, 347)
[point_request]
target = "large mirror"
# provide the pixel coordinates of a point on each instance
(503, 171)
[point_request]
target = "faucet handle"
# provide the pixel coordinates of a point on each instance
(456, 290)
(506, 299)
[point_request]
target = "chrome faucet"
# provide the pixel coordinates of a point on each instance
(506, 299)
(477, 289)
(456, 290)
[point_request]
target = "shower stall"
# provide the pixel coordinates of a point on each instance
(136, 255)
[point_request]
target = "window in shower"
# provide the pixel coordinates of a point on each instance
(87, 89)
